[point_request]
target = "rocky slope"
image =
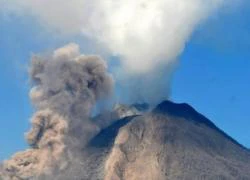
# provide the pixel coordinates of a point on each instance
(175, 142)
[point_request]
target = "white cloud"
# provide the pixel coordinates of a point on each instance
(146, 34)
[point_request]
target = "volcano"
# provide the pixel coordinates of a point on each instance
(172, 141)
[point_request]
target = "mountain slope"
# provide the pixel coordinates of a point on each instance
(174, 142)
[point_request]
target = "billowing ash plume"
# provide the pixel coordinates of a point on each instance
(147, 35)
(66, 87)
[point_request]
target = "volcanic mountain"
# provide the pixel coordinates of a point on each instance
(169, 142)
(173, 141)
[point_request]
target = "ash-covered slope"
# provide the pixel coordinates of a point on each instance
(172, 142)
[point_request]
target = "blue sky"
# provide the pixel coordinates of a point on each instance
(213, 74)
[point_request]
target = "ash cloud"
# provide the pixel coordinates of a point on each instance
(66, 87)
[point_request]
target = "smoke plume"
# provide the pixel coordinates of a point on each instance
(66, 87)
(146, 35)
